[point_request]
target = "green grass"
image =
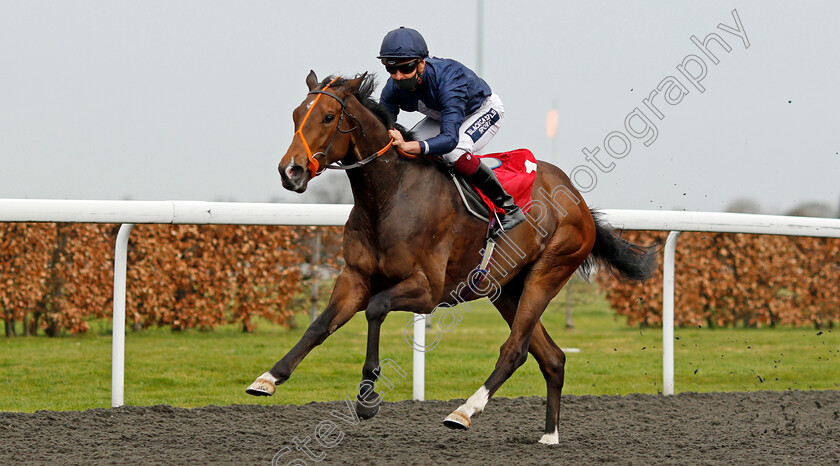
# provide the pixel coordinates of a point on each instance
(200, 368)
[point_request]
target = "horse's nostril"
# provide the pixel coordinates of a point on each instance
(294, 176)
(294, 171)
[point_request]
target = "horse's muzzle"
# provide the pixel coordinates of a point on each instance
(295, 177)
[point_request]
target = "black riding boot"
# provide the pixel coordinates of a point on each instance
(485, 180)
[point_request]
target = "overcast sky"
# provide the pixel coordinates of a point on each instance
(192, 100)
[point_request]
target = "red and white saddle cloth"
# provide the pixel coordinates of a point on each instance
(516, 171)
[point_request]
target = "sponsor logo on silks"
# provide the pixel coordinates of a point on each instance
(482, 124)
(491, 162)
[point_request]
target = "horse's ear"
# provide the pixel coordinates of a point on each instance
(353, 85)
(312, 80)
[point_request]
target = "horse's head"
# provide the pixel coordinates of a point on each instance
(322, 131)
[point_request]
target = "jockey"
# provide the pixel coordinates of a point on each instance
(462, 113)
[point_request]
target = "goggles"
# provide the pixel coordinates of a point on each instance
(404, 68)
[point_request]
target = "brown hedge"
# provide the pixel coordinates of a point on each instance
(58, 276)
(738, 279)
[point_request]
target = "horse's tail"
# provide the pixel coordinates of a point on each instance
(630, 261)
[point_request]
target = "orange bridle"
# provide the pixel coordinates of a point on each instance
(315, 166)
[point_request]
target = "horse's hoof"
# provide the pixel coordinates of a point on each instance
(366, 413)
(457, 420)
(370, 407)
(550, 439)
(261, 387)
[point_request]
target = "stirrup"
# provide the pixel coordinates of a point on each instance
(513, 219)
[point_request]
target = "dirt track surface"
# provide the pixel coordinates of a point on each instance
(709, 428)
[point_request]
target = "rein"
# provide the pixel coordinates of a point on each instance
(315, 168)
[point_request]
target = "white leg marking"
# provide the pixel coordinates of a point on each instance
(268, 376)
(476, 403)
(460, 418)
(551, 439)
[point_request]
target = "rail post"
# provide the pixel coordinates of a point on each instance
(668, 314)
(419, 371)
(118, 332)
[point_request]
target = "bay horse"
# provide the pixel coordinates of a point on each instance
(409, 243)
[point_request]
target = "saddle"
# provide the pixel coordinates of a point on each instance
(516, 171)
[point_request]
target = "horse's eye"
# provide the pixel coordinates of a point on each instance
(329, 118)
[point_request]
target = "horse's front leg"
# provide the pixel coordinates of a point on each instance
(413, 294)
(349, 296)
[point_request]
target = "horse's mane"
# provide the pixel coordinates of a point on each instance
(365, 96)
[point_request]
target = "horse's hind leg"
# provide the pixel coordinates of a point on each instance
(553, 367)
(550, 357)
(538, 290)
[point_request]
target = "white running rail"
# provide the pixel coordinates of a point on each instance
(129, 213)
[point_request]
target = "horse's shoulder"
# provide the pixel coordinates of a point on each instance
(359, 251)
